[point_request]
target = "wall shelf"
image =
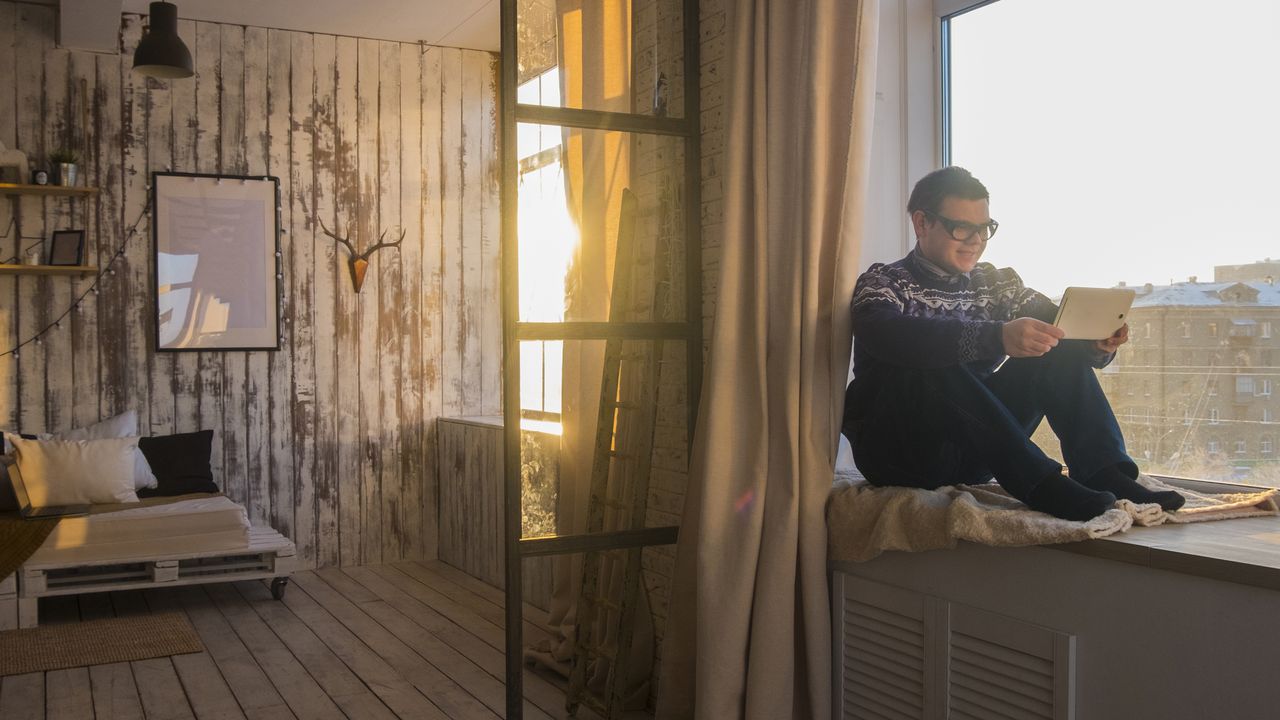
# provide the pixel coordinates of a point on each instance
(14, 189)
(6, 269)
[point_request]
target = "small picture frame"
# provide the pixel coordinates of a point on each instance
(67, 247)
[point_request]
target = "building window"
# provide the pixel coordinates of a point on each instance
(1186, 416)
(1240, 447)
(1264, 328)
(1244, 385)
(1214, 446)
(1213, 416)
(1264, 386)
(1213, 330)
(1267, 416)
(1264, 446)
(1186, 329)
(1146, 330)
(1213, 387)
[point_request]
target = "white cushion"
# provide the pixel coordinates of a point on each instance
(70, 472)
(120, 426)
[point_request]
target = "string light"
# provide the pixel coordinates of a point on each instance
(37, 338)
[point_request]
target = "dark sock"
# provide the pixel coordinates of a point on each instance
(1113, 479)
(1062, 497)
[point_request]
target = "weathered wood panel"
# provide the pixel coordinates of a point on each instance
(332, 439)
(471, 501)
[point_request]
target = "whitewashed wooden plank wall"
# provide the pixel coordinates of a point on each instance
(332, 440)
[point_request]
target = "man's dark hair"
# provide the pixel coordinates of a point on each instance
(950, 181)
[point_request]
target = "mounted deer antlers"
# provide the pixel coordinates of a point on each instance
(359, 262)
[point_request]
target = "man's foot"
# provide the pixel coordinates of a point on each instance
(1113, 479)
(1062, 497)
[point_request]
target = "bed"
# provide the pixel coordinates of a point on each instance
(198, 538)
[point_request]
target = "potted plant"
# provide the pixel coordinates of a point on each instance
(65, 168)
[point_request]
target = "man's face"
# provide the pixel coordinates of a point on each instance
(936, 241)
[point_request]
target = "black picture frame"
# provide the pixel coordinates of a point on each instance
(216, 277)
(66, 247)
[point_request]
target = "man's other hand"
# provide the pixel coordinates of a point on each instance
(1113, 343)
(1029, 337)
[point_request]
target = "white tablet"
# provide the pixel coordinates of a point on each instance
(1093, 313)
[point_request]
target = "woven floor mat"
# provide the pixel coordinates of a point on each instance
(96, 642)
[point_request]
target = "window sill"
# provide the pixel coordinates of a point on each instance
(1244, 551)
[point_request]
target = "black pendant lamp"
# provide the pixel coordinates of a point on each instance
(161, 53)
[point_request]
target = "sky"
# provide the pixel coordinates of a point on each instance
(1121, 140)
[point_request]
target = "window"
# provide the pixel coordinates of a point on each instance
(1015, 111)
(540, 176)
(1214, 446)
(1264, 446)
(1267, 415)
(1240, 447)
(1264, 387)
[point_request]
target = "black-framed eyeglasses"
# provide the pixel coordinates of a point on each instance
(962, 231)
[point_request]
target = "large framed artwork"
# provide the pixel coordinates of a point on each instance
(217, 274)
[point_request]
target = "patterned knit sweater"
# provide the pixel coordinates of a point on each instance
(911, 313)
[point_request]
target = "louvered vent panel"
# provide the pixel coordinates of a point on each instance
(883, 663)
(1000, 668)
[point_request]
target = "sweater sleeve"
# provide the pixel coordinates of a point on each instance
(882, 328)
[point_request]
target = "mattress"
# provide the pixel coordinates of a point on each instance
(199, 524)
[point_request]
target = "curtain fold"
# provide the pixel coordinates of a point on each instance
(749, 633)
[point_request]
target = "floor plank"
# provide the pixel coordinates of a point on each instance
(413, 600)
(207, 691)
(22, 697)
(290, 678)
(248, 683)
(414, 640)
(68, 695)
(450, 696)
(462, 669)
(115, 695)
(399, 695)
(333, 675)
(160, 690)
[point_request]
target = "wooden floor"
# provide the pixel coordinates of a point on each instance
(411, 640)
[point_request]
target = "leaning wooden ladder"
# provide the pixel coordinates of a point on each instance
(618, 496)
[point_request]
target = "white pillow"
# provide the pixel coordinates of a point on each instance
(123, 425)
(70, 472)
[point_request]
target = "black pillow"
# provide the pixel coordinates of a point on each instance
(180, 463)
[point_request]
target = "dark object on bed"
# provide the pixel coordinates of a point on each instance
(180, 463)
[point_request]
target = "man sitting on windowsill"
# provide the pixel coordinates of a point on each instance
(932, 405)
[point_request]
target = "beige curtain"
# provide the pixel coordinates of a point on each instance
(750, 632)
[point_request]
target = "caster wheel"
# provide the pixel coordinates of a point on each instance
(278, 587)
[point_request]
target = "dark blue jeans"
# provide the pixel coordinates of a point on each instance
(929, 428)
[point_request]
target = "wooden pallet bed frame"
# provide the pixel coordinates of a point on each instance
(269, 555)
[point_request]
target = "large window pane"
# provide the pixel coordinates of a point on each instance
(1133, 143)
(595, 206)
(645, 416)
(616, 55)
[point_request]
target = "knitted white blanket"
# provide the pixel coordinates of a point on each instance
(864, 521)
